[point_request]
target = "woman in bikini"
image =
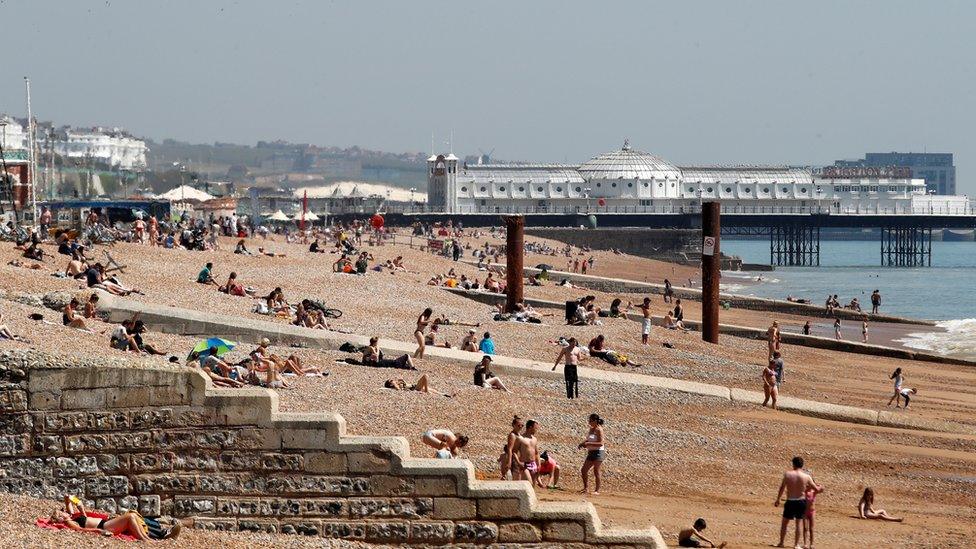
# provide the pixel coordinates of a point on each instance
(595, 453)
(74, 517)
(769, 384)
(865, 509)
(422, 321)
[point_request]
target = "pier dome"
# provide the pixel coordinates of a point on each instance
(627, 163)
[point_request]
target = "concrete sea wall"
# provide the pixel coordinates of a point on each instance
(163, 441)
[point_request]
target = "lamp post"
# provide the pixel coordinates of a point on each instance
(412, 190)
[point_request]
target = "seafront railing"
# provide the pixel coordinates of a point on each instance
(668, 209)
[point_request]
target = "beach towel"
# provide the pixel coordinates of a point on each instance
(48, 525)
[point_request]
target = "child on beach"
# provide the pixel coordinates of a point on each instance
(896, 398)
(906, 394)
(810, 495)
(548, 467)
(693, 537)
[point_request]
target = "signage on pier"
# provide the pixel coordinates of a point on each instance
(708, 246)
(869, 172)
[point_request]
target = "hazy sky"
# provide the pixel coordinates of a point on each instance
(694, 82)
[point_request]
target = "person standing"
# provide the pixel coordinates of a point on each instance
(772, 339)
(795, 483)
(645, 308)
(595, 453)
(837, 329)
(571, 353)
(508, 471)
(875, 302)
(778, 366)
(679, 312)
(770, 390)
(864, 331)
(527, 453)
(806, 328)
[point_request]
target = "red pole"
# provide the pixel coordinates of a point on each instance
(711, 265)
(514, 244)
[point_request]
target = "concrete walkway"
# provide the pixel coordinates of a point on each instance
(189, 322)
(749, 332)
(623, 285)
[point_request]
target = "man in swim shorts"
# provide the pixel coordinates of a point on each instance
(645, 308)
(795, 483)
(527, 453)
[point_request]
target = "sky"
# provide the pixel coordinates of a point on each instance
(555, 81)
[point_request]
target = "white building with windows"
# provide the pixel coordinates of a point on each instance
(632, 181)
(112, 146)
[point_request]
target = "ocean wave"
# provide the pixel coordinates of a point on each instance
(958, 339)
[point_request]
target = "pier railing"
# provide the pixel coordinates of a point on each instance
(673, 209)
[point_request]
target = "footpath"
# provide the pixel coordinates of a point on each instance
(189, 322)
(749, 332)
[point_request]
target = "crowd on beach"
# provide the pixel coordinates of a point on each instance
(523, 456)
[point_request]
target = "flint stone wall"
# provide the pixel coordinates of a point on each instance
(165, 442)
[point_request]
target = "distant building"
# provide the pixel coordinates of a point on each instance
(936, 169)
(632, 181)
(111, 146)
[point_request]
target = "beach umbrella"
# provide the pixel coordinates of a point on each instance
(278, 216)
(223, 346)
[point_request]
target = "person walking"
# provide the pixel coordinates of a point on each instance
(595, 447)
(898, 379)
(571, 354)
(770, 390)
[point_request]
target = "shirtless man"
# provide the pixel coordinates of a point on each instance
(795, 483)
(645, 308)
(772, 339)
(526, 459)
(508, 468)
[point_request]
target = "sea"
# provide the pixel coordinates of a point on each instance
(944, 292)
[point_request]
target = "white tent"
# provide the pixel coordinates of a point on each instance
(309, 216)
(278, 216)
(186, 192)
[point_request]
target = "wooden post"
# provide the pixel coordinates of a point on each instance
(514, 250)
(711, 265)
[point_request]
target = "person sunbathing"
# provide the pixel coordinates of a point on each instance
(470, 342)
(421, 386)
(72, 319)
(5, 332)
(122, 337)
(217, 370)
(484, 377)
(91, 306)
(76, 268)
(672, 324)
(95, 278)
(263, 359)
(269, 254)
(75, 517)
(241, 249)
(24, 264)
(234, 287)
(373, 356)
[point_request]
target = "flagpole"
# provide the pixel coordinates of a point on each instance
(32, 168)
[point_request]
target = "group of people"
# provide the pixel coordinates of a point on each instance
(261, 367)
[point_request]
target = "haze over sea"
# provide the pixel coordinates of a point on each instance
(944, 292)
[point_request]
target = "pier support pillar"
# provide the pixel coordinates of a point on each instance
(906, 247)
(794, 245)
(514, 256)
(711, 265)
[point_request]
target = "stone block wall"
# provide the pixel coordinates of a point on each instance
(165, 442)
